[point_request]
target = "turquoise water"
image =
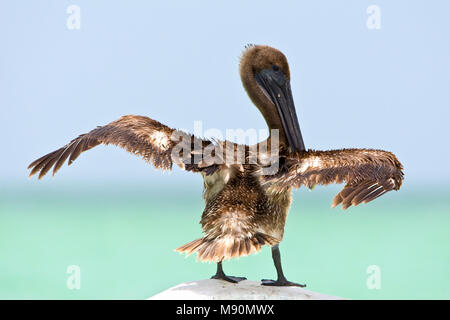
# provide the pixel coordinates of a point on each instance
(122, 238)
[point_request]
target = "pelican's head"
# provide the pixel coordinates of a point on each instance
(266, 78)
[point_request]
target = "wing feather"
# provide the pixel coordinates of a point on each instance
(368, 173)
(142, 136)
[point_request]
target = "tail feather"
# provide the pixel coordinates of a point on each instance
(226, 246)
(190, 247)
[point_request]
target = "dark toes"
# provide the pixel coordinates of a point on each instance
(229, 278)
(293, 284)
(267, 282)
(237, 279)
(279, 283)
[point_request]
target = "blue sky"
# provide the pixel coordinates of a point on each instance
(177, 62)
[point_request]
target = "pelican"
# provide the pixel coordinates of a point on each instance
(245, 206)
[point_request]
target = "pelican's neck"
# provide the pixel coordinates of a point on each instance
(262, 102)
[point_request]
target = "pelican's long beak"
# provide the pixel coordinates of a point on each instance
(278, 89)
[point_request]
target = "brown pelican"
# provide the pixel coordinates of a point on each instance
(246, 207)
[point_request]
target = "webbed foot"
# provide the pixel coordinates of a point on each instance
(281, 283)
(220, 275)
(231, 279)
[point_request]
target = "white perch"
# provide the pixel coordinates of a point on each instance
(210, 289)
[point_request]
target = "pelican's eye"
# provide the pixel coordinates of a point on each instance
(275, 68)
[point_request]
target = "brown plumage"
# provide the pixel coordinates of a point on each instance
(245, 207)
(142, 136)
(368, 173)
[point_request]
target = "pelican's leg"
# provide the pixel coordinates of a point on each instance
(222, 276)
(281, 280)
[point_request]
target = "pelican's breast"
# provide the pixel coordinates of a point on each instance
(279, 202)
(215, 182)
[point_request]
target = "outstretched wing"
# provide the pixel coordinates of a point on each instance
(368, 173)
(142, 136)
